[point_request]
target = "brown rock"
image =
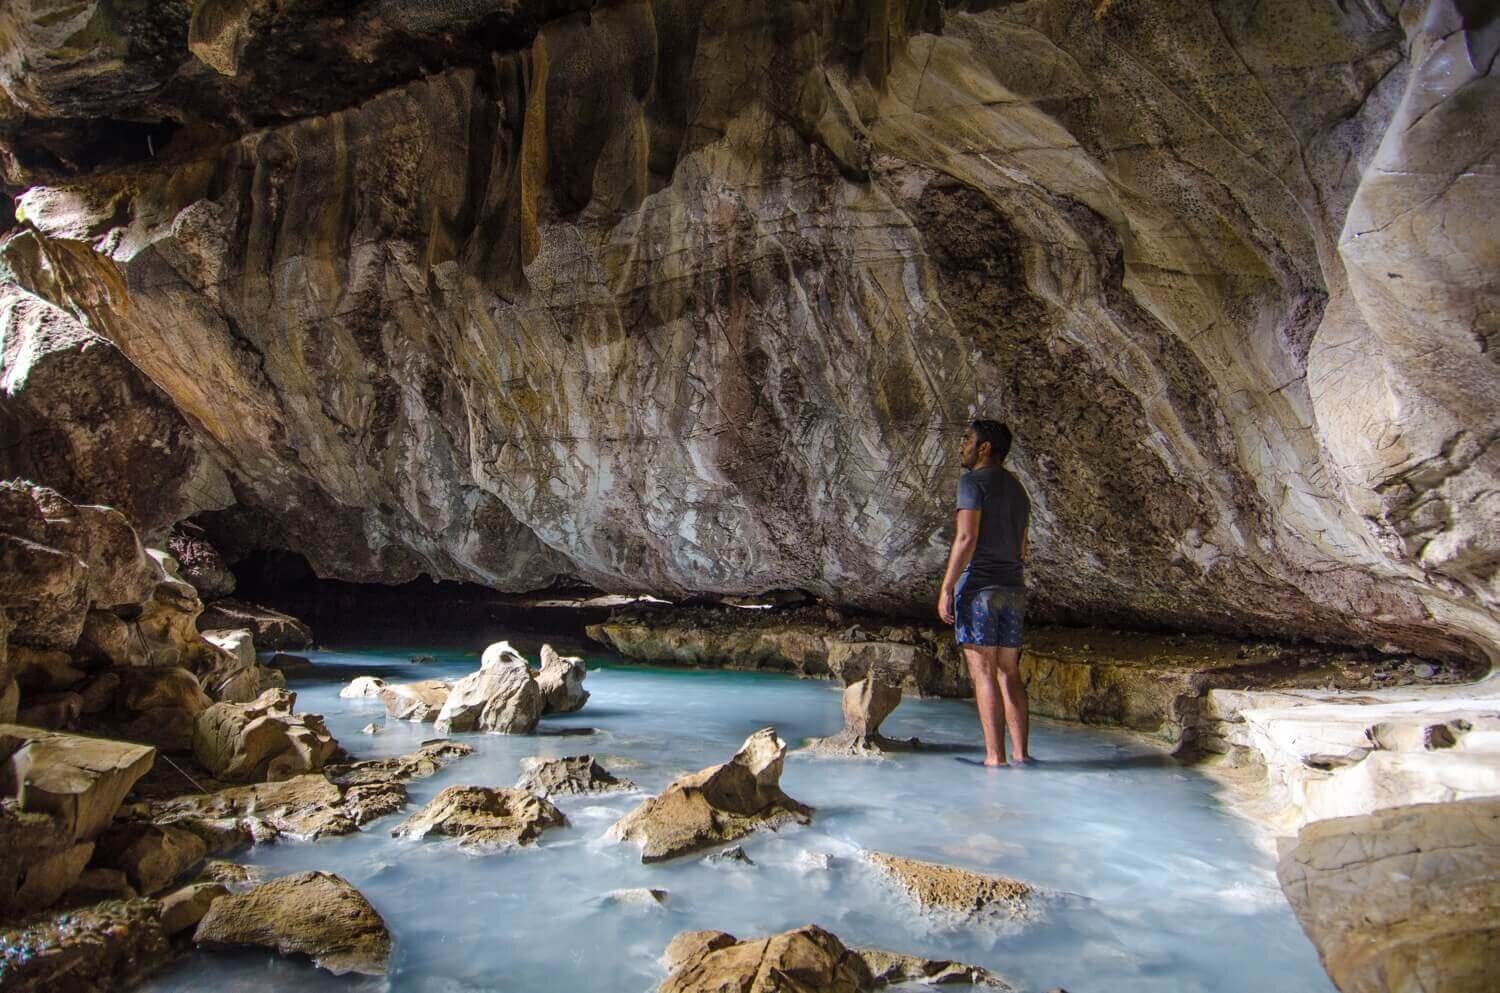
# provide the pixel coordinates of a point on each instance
(425, 761)
(184, 908)
(807, 960)
(33, 842)
(572, 775)
(248, 742)
(417, 702)
(270, 628)
(152, 856)
(487, 820)
(500, 699)
(303, 807)
(950, 890)
(44, 668)
(716, 805)
(316, 914)
(694, 944)
(80, 781)
(1402, 899)
(108, 946)
(52, 711)
(866, 703)
(98, 884)
(161, 705)
(46, 879)
(561, 682)
(895, 967)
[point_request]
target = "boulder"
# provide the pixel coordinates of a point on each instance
(303, 807)
(486, 820)
(79, 781)
(1402, 899)
(425, 761)
(561, 682)
(954, 892)
(636, 896)
(317, 914)
(152, 856)
(572, 775)
(498, 698)
(44, 590)
(416, 702)
(184, 908)
(238, 642)
(693, 944)
(109, 640)
(38, 859)
(363, 686)
(99, 884)
(201, 565)
(161, 705)
(108, 946)
(270, 628)
(238, 677)
(263, 739)
(897, 967)
(45, 879)
(807, 960)
(715, 805)
(52, 711)
(867, 702)
(500, 654)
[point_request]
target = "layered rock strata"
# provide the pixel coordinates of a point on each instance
(570, 775)
(484, 820)
(460, 315)
(953, 892)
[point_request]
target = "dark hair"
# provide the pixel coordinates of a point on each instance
(997, 434)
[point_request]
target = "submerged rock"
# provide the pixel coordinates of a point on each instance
(486, 820)
(416, 702)
(429, 757)
(574, 774)
(499, 698)
(263, 739)
(896, 967)
(716, 805)
(1402, 899)
(807, 960)
(954, 891)
(866, 703)
(561, 682)
(317, 914)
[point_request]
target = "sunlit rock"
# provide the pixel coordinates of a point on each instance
(718, 804)
(184, 908)
(561, 682)
(363, 686)
(417, 702)
(501, 698)
(263, 739)
(866, 704)
(316, 914)
(485, 820)
(951, 891)
(572, 775)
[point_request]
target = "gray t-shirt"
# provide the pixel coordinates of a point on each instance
(1004, 510)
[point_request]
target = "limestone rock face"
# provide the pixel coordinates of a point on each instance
(498, 698)
(561, 682)
(1402, 899)
(661, 301)
(718, 804)
(269, 628)
(263, 739)
(486, 820)
(574, 774)
(317, 914)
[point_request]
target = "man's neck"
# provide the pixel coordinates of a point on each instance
(983, 464)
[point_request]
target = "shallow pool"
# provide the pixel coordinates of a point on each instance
(1154, 886)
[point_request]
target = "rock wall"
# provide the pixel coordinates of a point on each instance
(693, 295)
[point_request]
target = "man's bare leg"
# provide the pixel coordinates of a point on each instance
(982, 671)
(1013, 693)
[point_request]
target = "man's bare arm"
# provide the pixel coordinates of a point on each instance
(966, 534)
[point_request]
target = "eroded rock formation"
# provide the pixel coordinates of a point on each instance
(695, 296)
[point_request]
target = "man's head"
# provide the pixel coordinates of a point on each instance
(987, 442)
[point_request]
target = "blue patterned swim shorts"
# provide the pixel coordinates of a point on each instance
(991, 616)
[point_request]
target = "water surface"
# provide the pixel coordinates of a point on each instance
(1155, 886)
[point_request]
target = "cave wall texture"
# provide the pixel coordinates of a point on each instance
(699, 295)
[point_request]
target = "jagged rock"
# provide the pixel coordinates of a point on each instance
(317, 914)
(372, 728)
(106, 638)
(240, 678)
(363, 686)
(152, 856)
(249, 742)
(694, 944)
(186, 907)
(572, 775)
(109, 946)
(867, 703)
(806, 960)
(953, 891)
(46, 879)
(561, 682)
(501, 698)
(416, 702)
(734, 854)
(1402, 899)
(80, 781)
(910, 667)
(238, 642)
(201, 565)
(232, 875)
(161, 706)
(895, 967)
(716, 805)
(639, 896)
(425, 761)
(270, 628)
(486, 820)
(303, 807)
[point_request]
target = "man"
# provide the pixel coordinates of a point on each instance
(984, 592)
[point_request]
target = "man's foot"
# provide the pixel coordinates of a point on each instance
(994, 763)
(1022, 762)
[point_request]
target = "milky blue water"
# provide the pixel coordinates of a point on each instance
(1154, 886)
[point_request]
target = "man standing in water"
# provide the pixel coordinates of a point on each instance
(984, 591)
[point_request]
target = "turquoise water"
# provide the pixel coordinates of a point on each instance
(1153, 886)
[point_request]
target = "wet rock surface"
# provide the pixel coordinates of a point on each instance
(316, 914)
(561, 682)
(1406, 898)
(715, 805)
(569, 776)
(109, 946)
(866, 703)
(949, 890)
(501, 698)
(418, 702)
(486, 820)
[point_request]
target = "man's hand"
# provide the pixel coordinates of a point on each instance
(945, 605)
